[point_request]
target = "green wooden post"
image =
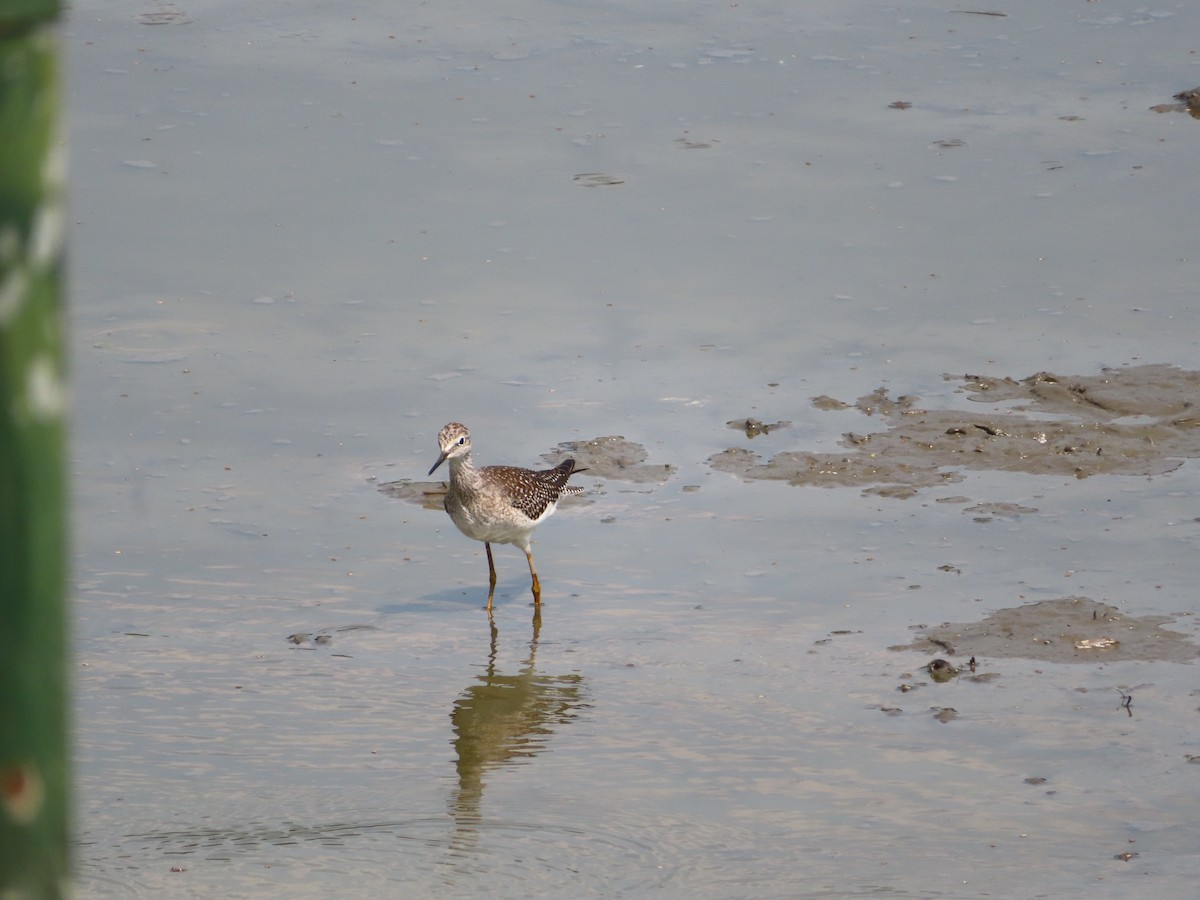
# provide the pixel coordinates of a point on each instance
(33, 757)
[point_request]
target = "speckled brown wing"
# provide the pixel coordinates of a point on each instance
(531, 492)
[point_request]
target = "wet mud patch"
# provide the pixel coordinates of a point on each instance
(985, 512)
(611, 458)
(1134, 421)
(427, 494)
(1066, 630)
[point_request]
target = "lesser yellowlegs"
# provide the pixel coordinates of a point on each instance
(499, 504)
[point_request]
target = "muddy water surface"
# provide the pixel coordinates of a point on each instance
(306, 236)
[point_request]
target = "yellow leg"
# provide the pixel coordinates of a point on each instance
(491, 576)
(537, 585)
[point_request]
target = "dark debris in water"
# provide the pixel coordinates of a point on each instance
(940, 670)
(310, 640)
(597, 179)
(1189, 102)
(1066, 630)
(752, 428)
(1134, 421)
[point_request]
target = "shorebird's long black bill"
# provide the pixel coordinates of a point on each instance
(441, 459)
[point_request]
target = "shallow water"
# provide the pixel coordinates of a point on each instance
(305, 238)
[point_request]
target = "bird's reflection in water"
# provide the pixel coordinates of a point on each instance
(504, 719)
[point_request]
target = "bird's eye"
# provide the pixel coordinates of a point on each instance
(461, 441)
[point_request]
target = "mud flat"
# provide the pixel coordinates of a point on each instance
(1131, 421)
(1064, 630)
